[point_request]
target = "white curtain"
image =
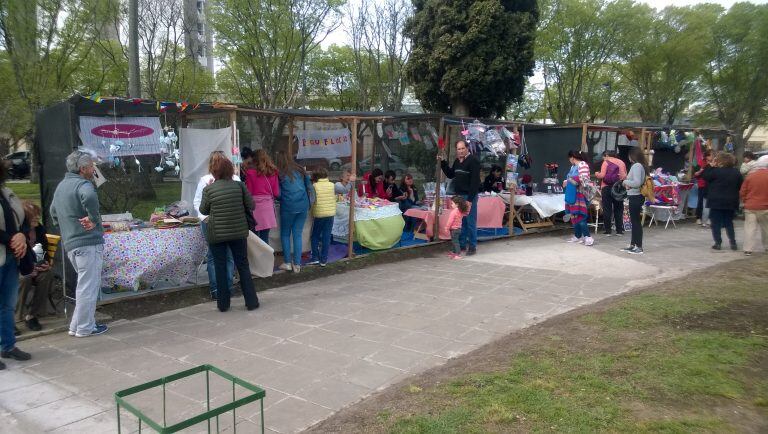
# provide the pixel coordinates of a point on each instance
(196, 146)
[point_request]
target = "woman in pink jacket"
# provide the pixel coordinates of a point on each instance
(261, 180)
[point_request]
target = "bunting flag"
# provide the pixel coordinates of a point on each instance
(136, 101)
(96, 96)
(163, 106)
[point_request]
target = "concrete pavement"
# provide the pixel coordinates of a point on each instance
(320, 346)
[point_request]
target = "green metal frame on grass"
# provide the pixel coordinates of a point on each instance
(258, 394)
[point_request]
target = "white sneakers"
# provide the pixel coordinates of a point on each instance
(285, 266)
(587, 241)
(575, 240)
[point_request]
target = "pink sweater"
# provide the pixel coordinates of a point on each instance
(454, 219)
(261, 185)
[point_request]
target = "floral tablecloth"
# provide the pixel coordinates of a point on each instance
(142, 259)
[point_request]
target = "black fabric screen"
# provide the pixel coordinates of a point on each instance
(550, 146)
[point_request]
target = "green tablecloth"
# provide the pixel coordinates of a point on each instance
(379, 234)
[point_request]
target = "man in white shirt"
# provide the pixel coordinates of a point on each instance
(205, 181)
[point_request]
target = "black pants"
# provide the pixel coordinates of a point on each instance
(613, 211)
(635, 210)
(702, 194)
(239, 250)
(722, 218)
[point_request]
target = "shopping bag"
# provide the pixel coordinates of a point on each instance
(261, 256)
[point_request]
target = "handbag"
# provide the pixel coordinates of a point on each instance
(570, 193)
(248, 213)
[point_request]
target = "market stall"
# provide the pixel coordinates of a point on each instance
(490, 215)
(537, 210)
(378, 224)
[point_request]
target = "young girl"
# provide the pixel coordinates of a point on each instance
(459, 209)
(578, 209)
(323, 211)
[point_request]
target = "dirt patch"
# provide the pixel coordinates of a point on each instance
(738, 317)
(423, 394)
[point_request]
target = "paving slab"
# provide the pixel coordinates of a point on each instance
(319, 346)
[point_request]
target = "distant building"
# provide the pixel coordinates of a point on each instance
(759, 139)
(198, 39)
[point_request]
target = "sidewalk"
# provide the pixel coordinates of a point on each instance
(320, 346)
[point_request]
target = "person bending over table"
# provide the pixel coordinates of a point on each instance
(34, 288)
(226, 201)
(494, 182)
(465, 173)
(204, 182)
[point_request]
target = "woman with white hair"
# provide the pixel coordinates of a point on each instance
(754, 194)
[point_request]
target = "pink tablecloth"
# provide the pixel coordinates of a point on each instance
(490, 214)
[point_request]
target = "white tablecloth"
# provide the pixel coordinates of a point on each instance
(545, 204)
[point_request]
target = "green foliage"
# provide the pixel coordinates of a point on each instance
(332, 80)
(471, 55)
(417, 155)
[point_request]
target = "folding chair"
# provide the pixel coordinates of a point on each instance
(670, 213)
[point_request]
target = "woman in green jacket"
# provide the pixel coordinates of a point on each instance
(225, 202)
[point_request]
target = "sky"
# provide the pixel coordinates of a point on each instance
(339, 37)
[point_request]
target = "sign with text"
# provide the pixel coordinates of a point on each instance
(324, 143)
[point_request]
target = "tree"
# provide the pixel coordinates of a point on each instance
(332, 80)
(471, 57)
(577, 45)
(736, 76)
(380, 50)
(664, 60)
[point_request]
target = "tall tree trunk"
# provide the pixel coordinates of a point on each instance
(459, 108)
(134, 72)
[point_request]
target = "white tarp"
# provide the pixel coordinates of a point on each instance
(324, 143)
(139, 135)
(195, 147)
(261, 257)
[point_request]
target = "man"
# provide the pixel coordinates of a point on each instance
(754, 194)
(75, 210)
(612, 171)
(465, 174)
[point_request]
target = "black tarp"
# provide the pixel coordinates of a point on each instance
(550, 145)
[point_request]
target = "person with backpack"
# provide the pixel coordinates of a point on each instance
(633, 183)
(612, 170)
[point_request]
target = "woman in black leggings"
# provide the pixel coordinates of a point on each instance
(634, 181)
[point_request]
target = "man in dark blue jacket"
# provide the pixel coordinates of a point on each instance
(465, 174)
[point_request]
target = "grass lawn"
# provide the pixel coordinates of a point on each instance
(167, 192)
(687, 356)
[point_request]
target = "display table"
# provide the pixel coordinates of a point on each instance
(674, 196)
(490, 215)
(376, 228)
(544, 204)
(140, 259)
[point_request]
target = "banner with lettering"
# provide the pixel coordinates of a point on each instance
(324, 143)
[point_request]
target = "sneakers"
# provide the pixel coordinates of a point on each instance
(313, 262)
(588, 241)
(716, 247)
(97, 330)
(628, 248)
(296, 269)
(747, 253)
(734, 247)
(471, 250)
(698, 221)
(33, 324)
(454, 256)
(323, 264)
(635, 251)
(574, 240)
(16, 354)
(608, 234)
(285, 266)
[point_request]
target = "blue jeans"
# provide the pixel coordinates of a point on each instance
(9, 292)
(321, 238)
(469, 226)
(581, 229)
(210, 265)
(292, 225)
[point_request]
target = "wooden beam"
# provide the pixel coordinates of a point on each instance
(512, 191)
(291, 127)
(438, 177)
(352, 194)
(584, 137)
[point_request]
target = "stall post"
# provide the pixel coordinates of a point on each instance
(438, 174)
(233, 126)
(690, 158)
(512, 191)
(352, 195)
(290, 136)
(584, 137)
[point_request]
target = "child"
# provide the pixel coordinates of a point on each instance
(459, 210)
(323, 211)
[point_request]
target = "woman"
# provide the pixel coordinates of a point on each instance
(635, 180)
(13, 246)
(295, 192)
(702, 207)
(246, 155)
(345, 184)
(410, 200)
(723, 185)
(754, 194)
(225, 202)
(494, 182)
(34, 288)
(578, 176)
(263, 184)
(373, 187)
